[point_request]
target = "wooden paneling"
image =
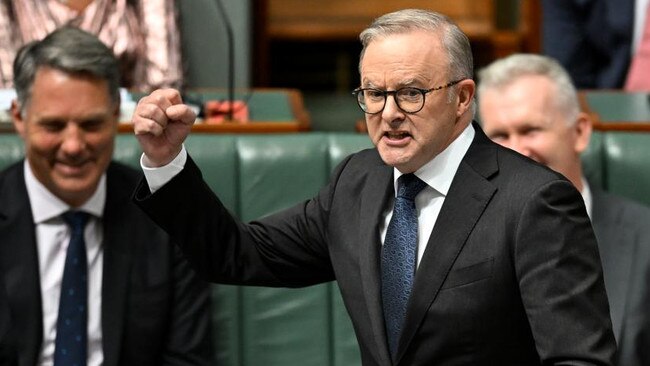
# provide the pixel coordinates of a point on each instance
(345, 19)
(282, 22)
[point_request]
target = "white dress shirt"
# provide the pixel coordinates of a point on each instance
(52, 238)
(438, 175)
(157, 177)
(640, 11)
(587, 197)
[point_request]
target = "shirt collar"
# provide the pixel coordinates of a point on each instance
(440, 171)
(45, 205)
(586, 196)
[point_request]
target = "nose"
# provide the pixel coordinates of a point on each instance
(517, 144)
(73, 140)
(391, 111)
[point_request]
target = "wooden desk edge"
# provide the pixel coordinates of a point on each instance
(298, 109)
(302, 122)
(599, 125)
(236, 127)
(622, 126)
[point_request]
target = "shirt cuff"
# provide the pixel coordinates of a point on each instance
(158, 177)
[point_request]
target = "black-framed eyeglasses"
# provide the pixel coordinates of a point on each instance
(409, 99)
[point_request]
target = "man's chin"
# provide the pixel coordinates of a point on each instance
(74, 197)
(396, 159)
(75, 185)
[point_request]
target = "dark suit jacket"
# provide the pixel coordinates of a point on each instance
(511, 274)
(623, 233)
(155, 310)
(592, 39)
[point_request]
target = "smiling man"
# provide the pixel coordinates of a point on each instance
(85, 277)
(548, 127)
(448, 248)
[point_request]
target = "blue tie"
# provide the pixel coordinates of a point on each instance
(71, 329)
(398, 258)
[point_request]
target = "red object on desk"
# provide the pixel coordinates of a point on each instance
(216, 112)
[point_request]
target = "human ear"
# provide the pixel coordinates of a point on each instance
(466, 90)
(582, 129)
(17, 118)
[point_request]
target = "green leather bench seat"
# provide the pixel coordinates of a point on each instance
(255, 175)
(258, 174)
(619, 162)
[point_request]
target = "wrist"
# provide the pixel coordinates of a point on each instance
(160, 160)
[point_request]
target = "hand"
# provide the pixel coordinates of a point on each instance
(161, 123)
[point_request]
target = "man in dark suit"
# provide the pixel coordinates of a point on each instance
(548, 126)
(508, 271)
(143, 304)
(592, 39)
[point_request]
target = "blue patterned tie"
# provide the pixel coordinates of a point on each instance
(398, 257)
(71, 329)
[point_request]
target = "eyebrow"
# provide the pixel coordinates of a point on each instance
(496, 131)
(402, 84)
(90, 116)
(408, 82)
(368, 84)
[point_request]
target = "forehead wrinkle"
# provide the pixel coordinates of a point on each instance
(366, 83)
(417, 80)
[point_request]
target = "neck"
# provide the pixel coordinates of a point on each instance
(576, 177)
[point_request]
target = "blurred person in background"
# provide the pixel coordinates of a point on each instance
(143, 34)
(547, 126)
(85, 277)
(597, 40)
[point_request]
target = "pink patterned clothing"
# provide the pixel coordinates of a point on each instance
(143, 34)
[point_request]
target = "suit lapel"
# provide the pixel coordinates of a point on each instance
(117, 265)
(617, 246)
(19, 264)
(373, 201)
(466, 201)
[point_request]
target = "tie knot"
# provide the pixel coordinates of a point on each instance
(76, 219)
(408, 186)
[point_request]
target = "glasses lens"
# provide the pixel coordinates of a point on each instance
(410, 100)
(371, 100)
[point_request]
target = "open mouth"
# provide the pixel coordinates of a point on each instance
(397, 139)
(396, 136)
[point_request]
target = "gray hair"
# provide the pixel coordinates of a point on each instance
(505, 71)
(70, 50)
(455, 42)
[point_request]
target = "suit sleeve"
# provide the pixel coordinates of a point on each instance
(286, 249)
(190, 335)
(561, 280)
